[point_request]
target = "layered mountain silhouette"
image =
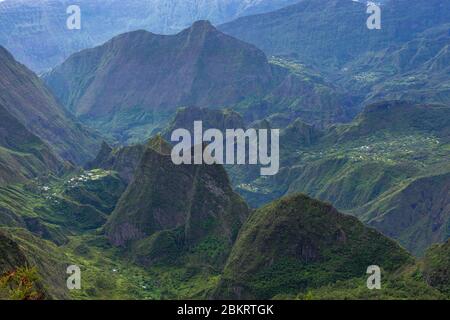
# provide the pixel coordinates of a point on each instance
(340, 35)
(198, 66)
(399, 61)
(129, 85)
(41, 46)
(385, 167)
(168, 208)
(141, 227)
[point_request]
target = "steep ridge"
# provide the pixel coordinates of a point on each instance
(124, 160)
(210, 118)
(168, 211)
(418, 215)
(21, 250)
(199, 66)
(23, 155)
(11, 257)
(129, 87)
(26, 98)
(375, 167)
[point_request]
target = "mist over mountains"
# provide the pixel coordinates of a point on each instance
(35, 30)
(87, 178)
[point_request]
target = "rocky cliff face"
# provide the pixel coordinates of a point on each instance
(167, 206)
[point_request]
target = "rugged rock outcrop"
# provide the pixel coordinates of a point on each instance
(175, 208)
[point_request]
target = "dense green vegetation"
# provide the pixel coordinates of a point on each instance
(389, 167)
(20, 284)
(436, 267)
(312, 258)
(141, 227)
(406, 59)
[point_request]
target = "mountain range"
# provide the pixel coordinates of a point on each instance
(35, 30)
(86, 176)
(200, 67)
(380, 167)
(203, 241)
(404, 59)
(27, 99)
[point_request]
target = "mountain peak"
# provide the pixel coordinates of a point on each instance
(199, 29)
(198, 67)
(203, 25)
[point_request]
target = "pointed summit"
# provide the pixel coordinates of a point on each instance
(169, 209)
(202, 25)
(199, 66)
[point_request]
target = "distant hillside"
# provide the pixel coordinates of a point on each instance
(23, 156)
(25, 97)
(339, 29)
(417, 214)
(169, 211)
(388, 167)
(405, 59)
(36, 33)
(131, 85)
